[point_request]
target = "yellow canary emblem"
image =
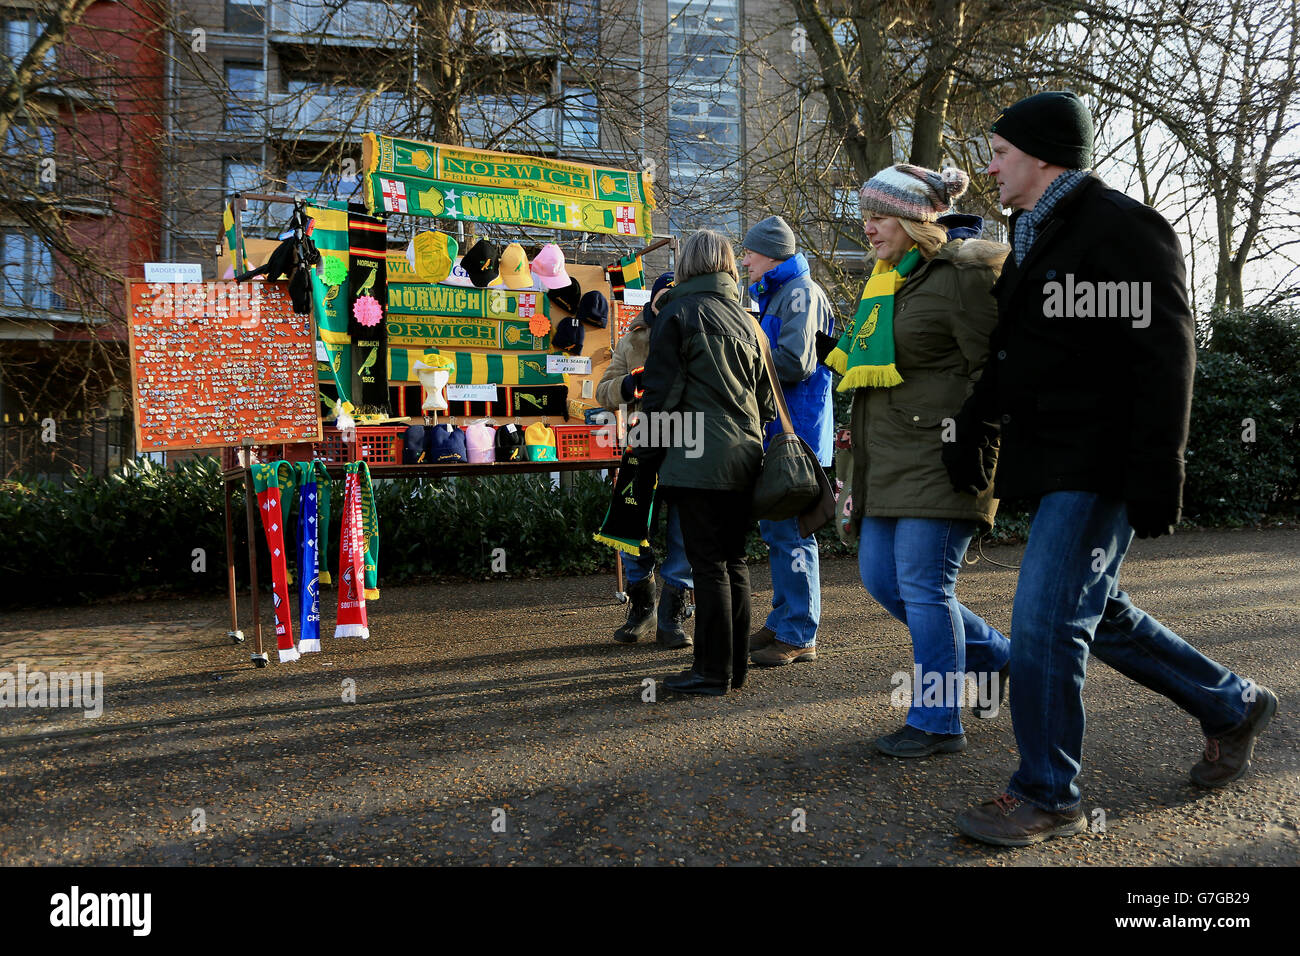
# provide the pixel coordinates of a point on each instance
(868, 326)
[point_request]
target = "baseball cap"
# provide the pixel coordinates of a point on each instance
(548, 266)
(514, 267)
(482, 263)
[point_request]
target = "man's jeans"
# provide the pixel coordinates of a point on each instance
(910, 565)
(1068, 603)
(796, 583)
(674, 569)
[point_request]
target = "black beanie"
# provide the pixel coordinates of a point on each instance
(1055, 127)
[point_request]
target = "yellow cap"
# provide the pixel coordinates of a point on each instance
(431, 255)
(514, 267)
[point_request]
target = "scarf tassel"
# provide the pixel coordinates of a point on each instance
(874, 376)
(621, 544)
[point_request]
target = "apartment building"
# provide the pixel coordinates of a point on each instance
(78, 210)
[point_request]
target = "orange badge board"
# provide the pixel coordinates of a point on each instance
(218, 363)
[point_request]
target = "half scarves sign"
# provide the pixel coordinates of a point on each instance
(474, 185)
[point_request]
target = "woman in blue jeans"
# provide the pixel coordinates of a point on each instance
(917, 344)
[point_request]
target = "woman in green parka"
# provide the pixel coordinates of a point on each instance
(917, 344)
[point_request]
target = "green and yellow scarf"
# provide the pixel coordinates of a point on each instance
(865, 353)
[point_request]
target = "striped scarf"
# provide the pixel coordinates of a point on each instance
(865, 353)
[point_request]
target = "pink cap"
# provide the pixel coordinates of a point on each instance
(548, 266)
(480, 442)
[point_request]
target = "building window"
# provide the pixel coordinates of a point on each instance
(28, 272)
(21, 33)
(240, 177)
(581, 126)
(582, 25)
(246, 83)
(846, 206)
(245, 17)
(29, 155)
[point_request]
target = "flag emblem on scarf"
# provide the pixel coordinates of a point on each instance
(625, 217)
(394, 195)
(527, 304)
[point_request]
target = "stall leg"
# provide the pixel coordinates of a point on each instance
(260, 658)
(235, 634)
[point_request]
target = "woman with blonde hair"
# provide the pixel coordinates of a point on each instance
(705, 363)
(917, 344)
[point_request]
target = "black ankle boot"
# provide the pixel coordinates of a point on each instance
(640, 621)
(672, 616)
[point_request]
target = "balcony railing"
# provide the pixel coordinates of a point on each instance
(312, 115)
(352, 23)
(503, 122)
(69, 181)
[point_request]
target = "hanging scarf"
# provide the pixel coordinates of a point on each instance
(351, 619)
(477, 368)
(368, 277)
(311, 475)
(269, 480)
(369, 529)
(627, 523)
(865, 353)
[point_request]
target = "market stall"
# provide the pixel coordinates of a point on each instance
(329, 354)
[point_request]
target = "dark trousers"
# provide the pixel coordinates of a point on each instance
(714, 527)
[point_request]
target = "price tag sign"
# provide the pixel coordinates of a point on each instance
(173, 272)
(568, 364)
(636, 297)
(471, 393)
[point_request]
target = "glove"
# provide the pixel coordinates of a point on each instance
(631, 388)
(825, 345)
(969, 465)
(1150, 518)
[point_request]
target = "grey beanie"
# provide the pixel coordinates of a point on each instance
(772, 238)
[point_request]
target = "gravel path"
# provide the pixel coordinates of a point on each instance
(496, 722)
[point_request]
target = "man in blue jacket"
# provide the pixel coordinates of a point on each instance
(793, 309)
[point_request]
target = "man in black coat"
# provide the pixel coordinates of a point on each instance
(1089, 386)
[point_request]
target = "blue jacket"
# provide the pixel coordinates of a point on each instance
(793, 308)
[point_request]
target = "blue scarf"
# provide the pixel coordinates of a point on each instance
(773, 279)
(1030, 222)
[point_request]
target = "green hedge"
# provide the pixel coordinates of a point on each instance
(137, 531)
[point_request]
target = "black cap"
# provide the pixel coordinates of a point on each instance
(1055, 127)
(510, 443)
(566, 296)
(594, 309)
(482, 263)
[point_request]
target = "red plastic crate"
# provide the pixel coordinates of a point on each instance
(582, 442)
(379, 444)
(375, 444)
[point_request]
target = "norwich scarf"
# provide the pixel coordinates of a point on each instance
(459, 183)
(865, 353)
(358, 553)
(313, 525)
(627, 522)
(270, 480)
(478, 368)
(330, 297)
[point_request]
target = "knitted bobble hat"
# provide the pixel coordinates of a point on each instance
(912, 192)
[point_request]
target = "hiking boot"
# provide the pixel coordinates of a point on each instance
(672, 615)
(640, 621)
(998, 696)
(778, 653)
(1006, 821)
(914, 742)
(761, 638)
(1227, 757)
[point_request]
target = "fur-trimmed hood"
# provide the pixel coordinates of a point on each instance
(970, 253)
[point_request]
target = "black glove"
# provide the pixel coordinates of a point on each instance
(825, 345)
(631, 388)
(968, 466)
(1151, 518)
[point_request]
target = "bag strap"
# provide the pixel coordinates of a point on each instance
(782, 412)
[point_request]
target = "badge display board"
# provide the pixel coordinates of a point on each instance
(215, 364)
